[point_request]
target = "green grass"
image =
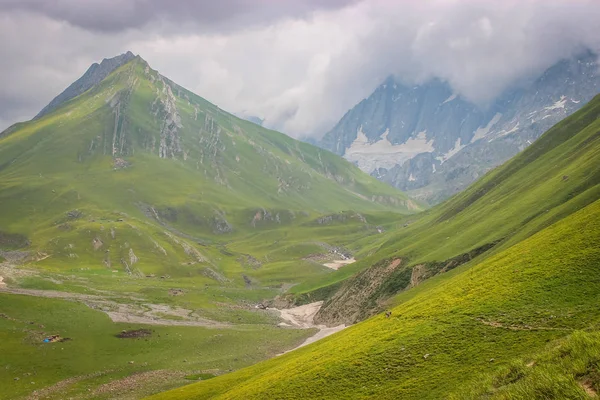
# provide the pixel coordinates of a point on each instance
(235, 214)
(567, 369)
(510, 304)
(538, 283)
(97, 355)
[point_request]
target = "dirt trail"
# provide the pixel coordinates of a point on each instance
(152, 314)
(303, 317)
(337, 264)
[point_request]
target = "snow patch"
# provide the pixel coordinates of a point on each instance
(384, 154)
(458, 146)
(559, 104)
(449, 99)
(482, 132)
(508, 132)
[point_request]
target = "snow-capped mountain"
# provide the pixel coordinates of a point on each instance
(431, 142)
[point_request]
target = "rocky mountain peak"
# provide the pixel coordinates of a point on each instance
(431, 142)
(94, 75)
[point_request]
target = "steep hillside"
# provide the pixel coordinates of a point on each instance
(429, 141)
(536, 282)
(93, 76)
(477, 319)
(554, 177)
(136, 146)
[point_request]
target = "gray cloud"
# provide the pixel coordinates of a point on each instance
(302, 66)
(119, 15)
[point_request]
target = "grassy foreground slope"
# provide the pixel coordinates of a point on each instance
(539, 284)
(510, 305)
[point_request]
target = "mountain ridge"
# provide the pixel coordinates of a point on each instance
(431, 142)
(128, 132)
(94, 75)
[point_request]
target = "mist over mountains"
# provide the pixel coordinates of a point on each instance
(431, 142)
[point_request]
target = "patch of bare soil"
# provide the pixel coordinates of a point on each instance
(588, 388)
(9, 270)
(417, 275)
(134, 333)
(337, 264)
(353, 300)
(59, 387)
(303, 317)
(138, 385)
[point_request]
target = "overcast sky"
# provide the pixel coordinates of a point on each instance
(300, 64)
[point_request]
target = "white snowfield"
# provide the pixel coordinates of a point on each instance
(369, 156)
(384, 154)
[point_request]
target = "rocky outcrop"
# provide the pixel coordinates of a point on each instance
(120, 143)
(187, 248)
(354, 300)
(97, 243)
(366, 293)
(132, 257)
(169, 141)
(212, 274)
(220, 224)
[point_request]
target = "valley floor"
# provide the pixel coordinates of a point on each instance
(163, 345)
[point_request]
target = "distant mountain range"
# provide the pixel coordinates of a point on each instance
(432, 143)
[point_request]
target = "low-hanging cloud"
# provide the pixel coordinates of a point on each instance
(120, 15)
(302, 66)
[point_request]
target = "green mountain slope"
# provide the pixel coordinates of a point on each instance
(554, 177)
(535, 283)
(139, 149)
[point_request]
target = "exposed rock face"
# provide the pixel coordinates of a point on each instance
(94, 75)
(97, 243)
(432, 143)
(132, 257)
(212, 274)
(220, 224)
(189, 250)
(352, 302)
(169, 144)
(120, 142)
(365, 293)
